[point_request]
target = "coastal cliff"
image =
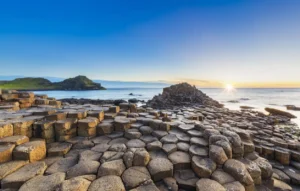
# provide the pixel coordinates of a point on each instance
(76, 83)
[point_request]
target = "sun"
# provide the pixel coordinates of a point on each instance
(229, 87)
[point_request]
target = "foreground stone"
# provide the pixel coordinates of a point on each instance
(160, 168)
(222, 177)
(238, 171)
(58, 149)
(10, 167)
(236, 185)
(83, 168)
(135, 176)
(19, 177)
(32, 151)
(6, 152)
(203, 167)
(186, 179)
(205, 184)
(61, 165)
(180, 160)
(115, 167)
(76, 184)
(279, 112)
(16, 140)
(107, 183)
(45, 183)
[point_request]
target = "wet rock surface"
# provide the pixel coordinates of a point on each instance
(191, 144)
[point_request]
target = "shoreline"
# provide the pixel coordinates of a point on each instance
(190, 142)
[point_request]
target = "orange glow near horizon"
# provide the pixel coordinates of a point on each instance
(217, 84)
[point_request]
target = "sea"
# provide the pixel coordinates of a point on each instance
(258, 98)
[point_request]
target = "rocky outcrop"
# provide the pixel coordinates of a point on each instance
(181, 95)
(273, 111)
(125, 147)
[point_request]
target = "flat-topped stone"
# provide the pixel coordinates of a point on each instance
(6, 152)
(50, 160)
(65, 124)
(122, 124)
(56, 116)
(58, 149)
(61, 165)
(195, 133)
(222, 177)
(169, 148)
(160, 168)
(83, 168)
(115, 167)
(180, 160)
(107, 183)
(186, 127)
(16, 179)
(147, 186)
(6, 129)
(22, 126)
(186, 179)
(10, 167)
(141, 158)
(135, 176)
(170, 138)
(87, 127)
(293, 174)
(280, 175)
(97, 114)
(89, 155)
(77, 183)
(45, 183)
(120, 140)
(65, 129)
(203, 167)
(110, 156)
(195, 150)
(32, 151)
(135, 143)
(89, 122)
(104, 128)
(102, 147)
(199, 141)
(182, 146)
(205, 184)
(101, 139)
(236, 185)
(77, 114)
(45, 130)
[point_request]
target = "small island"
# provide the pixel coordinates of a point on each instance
(42, 84)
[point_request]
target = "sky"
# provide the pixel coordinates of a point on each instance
(246, 43)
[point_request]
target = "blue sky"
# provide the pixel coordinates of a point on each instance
(206, 42)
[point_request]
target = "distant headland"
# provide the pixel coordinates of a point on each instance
(42, 84)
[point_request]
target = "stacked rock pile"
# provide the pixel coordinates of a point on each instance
(180, 95)
(13, 100)
(108, 148)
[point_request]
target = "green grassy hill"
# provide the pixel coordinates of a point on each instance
(76, 83)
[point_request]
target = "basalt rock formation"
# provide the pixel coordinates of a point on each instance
(278, 112)
(49, 145)
(180, 95)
